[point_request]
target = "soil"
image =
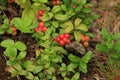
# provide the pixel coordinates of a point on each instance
(109, 18)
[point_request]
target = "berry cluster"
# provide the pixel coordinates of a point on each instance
(41, 27)
(55, 2)
(63, 39)
(85, 40)
(40, 14)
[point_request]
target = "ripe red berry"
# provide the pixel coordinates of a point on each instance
(85, 44)
(41, 24)
(39, 17)
(57, 2)
(14, 29)
(68, 41)
(82, 37)
(36, 30)
(61, 36)
(87, 38)
(40, 29)
(40, 12)
(44, 29)
(53, 2)
(67, 35)
(65, 39)
(61, 42)
(10, 1)
(58, 39)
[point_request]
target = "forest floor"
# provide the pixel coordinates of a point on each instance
(109, 18)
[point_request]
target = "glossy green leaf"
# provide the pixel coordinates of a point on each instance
(82, 27)
(83, 2)
(43, 1)
(55, 24)
(77, 36)
(21, 55)
(29, 76)
(76, 76)
(115, 36)
(26, 64)
(105, 34)
(87, 57)
(83, 66)
(10, 52)
(117, 46)
(77, 21)
(37, 69)
(56, 9)
(69, 25)
(13, 71)
(17, 66)
(86, 10)
(45, 17)
(72, 66)
(23, 72)
(73, 58)
(102, 48)
(20, 46)
(7, 43)
(61, 17)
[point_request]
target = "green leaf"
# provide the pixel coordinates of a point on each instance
(2, 31)
(82, 27)
(77, 21)
(87, 57)
(43, 1)
(23, 1)
(114, 55)
(83, 66)
(26, 21)
(56, 9)
(17, 22)
(7, 43)
(102, 48)
(21, 55)
(45, 17)
(29, 76)
(105, 34)
(72, 66)
(11, 62)
(83, 2)
(17, 66)
(69, 25)
(76, 76)
(116, 46)
(86, 10)
(55, 24)
(23, 72)
(61, 17)
(73, 58)
(61, 49)
(77, 36)
(63, 7)
(26, 64)
(10, 52)
(20, 46)
(115, 36)
(37, 69)
(13, 71)
(63, 67)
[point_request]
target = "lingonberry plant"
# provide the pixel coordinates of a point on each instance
(53, 24)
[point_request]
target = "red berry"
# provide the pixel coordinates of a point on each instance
(14, 29)
(39, 17)
(82, 37)
(44, 29)
(58, 39)
(10, 1)
(68, 41)
(40, 29)
(87, 38)
(61, 36)
(53, 2)
(67, 35)
(85, 44)
(40, 12)
(61, 42)
(57, 2)
(64, 39)
(41, 24)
